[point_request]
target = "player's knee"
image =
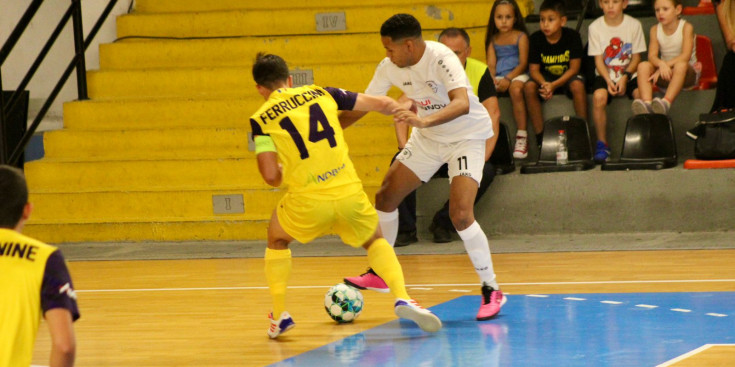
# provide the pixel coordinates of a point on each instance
(530, 88)
(461, 218)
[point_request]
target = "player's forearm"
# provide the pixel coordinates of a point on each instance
(347, 118)
(62, 357)
(457, 107)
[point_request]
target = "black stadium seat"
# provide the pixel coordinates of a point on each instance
(649, 144)
(578, 147)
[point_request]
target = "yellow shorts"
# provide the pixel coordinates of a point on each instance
(353, 218)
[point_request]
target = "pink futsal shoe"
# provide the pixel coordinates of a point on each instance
(280, 326)
(369, 280)
(492, 301)
(425, 319)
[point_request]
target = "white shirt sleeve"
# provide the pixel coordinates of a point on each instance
(593, 40)
(380, 84)
(452, 75)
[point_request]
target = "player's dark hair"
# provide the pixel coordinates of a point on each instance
(269, 70)
(455, 32)
(492, 29)
(555, 5)
(13, 196)
(401, 26)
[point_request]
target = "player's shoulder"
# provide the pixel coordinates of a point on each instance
(12, 237)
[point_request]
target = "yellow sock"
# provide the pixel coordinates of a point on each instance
(277, 271)
(383, 260)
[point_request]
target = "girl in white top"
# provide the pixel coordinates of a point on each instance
(672, 63)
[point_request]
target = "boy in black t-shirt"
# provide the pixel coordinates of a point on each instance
(554, 62)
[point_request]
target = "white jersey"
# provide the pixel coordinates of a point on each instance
(669, 46)
(616, 44)
(427, 83)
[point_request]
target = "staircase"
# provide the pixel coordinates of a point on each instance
(161, 150)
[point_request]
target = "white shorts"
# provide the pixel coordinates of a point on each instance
(520, 78)
(424, 157)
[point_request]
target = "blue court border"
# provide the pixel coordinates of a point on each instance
(607, 329)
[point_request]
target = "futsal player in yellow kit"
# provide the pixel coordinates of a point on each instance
(300, 145)
(34, 283)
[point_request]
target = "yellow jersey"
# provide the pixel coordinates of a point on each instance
(33, 280)
(304, 125)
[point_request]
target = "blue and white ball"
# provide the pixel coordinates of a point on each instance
(343, 303)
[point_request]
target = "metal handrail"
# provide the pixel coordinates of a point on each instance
(81, 44)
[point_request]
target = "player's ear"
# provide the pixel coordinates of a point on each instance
(27, 209)
(563, 20)
(290, 81)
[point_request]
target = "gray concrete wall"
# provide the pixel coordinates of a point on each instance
(670, 200)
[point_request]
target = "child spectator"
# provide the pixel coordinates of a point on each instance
(506, 44)
(554, 62)
(616, 41)
(672, 61)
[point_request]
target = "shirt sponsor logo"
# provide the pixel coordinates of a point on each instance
(326, 175)
(66, 289)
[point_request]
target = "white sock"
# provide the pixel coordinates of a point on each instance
(389, 225)
(522, 133)
(476, 245)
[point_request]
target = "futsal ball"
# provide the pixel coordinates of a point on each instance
(343, 303)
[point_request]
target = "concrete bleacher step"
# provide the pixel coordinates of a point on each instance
(124, 114)
(151, 216)
(50, 175)
(297, 50)
(266, 22)
(188, 143)
(169, 6)
(230, 82)
(219, 229)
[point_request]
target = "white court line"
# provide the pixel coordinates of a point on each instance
(647, 306)
(612, 302)
(460, 290)
(680, 310)
(408, 285)
(575, 299)
(537, 295)
(691, 353)
(716, 314)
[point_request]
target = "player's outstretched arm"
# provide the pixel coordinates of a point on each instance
(382, 104)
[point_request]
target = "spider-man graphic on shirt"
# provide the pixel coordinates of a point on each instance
(617, 55)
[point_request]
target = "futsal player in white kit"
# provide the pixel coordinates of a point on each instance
(450, 125)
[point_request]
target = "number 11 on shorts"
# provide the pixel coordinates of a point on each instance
(461, 160)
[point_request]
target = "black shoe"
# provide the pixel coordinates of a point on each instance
(441, 234)
(406, 238)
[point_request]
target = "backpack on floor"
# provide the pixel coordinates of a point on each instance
(714, 135)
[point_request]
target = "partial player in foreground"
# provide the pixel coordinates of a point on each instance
(299, 143)
(34, 283)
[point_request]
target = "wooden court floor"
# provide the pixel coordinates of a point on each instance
(213, 312)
